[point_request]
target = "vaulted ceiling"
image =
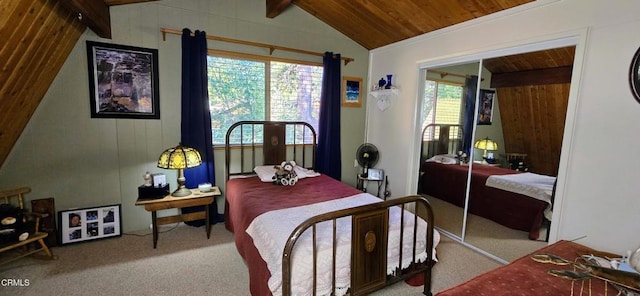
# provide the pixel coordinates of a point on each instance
(375, 23)
(38, 35)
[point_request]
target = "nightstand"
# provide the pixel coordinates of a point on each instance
(196, 198)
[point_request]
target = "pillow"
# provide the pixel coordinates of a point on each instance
(266, 172)
(444, 159)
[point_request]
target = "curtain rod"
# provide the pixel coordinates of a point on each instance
(256, 44)
(445, 74)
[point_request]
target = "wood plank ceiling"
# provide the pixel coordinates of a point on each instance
(38, 35)
(375, 23)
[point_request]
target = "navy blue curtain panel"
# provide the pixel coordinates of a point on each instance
(196, 117)
(471, 85)
(328, 157)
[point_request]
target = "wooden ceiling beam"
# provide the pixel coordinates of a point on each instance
(532, 77)
(93, 13)
(276, 7)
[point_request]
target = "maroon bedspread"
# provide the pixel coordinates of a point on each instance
(527, 277)
(247, 198)
(513, 210)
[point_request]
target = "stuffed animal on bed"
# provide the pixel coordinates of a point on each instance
(285, 174)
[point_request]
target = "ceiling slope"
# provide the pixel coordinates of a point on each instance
(376, 23)
(37, 35)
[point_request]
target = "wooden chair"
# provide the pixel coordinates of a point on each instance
(16, 197)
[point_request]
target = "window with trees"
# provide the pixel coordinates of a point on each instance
(243, 89)
(442, 105)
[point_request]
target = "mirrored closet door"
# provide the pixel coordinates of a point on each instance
(490, 109)
(446, 90)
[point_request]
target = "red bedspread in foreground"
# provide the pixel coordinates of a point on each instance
(527, 277)
(247, 198)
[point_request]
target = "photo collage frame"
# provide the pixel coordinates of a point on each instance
(78, 225)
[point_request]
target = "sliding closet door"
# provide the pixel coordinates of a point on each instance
(443, 178)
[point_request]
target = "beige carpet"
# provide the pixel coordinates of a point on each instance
(503, 242)
(184, 263)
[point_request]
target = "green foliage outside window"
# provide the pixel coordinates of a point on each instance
(238, 90)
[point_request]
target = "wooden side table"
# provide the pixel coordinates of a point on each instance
(196, 198)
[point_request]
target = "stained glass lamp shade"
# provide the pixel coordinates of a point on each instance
(486, 144)
(180, 158)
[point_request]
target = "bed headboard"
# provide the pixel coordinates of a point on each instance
(441, 139)
(254, 143)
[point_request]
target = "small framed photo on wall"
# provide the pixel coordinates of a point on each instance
(78, 225)
(485, 109)
(351, 91)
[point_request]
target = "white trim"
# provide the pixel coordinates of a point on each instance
(569, 135)
(414, 154)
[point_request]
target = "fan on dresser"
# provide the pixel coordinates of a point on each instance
(367, 157)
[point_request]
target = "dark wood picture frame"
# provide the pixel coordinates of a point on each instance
(351, 91)
(47, 224)
(79, 225)
(485, 107)
(634, 75)
(123, 81)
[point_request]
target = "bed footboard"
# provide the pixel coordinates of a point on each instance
(369, 245)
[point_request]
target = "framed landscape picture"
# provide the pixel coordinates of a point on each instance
(123, 81)
(351, 91)
(78, 225)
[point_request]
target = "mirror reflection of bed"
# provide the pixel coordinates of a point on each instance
(527, 117)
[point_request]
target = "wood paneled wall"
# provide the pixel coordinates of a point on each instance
(533, 119)
(37, 36)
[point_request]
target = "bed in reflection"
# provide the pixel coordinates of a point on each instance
(518, 200)
(511, 209)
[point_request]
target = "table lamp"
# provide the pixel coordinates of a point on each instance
(180, 158)
(487, 145)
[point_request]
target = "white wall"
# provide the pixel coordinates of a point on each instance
(597, 189)
(85, 162)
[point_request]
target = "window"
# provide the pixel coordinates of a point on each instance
(241, 89)
(442, 105)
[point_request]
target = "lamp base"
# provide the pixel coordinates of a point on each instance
(180, 192)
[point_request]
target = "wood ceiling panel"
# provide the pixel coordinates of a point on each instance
(551, 58)
(373, 24)
(533, 119)
(39, 34)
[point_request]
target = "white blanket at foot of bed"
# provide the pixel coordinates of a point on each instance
(271, 230)
(529, 184)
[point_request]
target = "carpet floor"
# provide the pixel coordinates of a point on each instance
(185, 262)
